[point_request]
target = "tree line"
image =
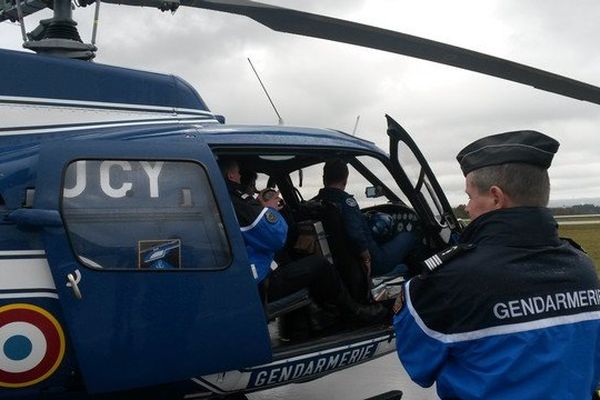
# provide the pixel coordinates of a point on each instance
(579, 209)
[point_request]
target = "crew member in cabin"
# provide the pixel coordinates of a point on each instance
(248, 179)
(264, 231)
(512, 311)
(377, 259)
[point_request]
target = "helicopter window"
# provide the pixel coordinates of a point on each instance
(262, 181)
(276, 157)
(420, 182)
(357, 183)
(312, 180)
(143, 215)
(383, 174)
(410, 164)
(356, 186)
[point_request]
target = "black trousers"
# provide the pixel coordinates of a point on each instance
(313, 272)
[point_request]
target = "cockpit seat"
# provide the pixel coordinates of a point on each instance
(345, 260)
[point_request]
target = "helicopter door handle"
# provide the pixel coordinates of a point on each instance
(74, 282)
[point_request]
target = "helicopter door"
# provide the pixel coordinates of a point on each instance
(148, 261)
(426, 194)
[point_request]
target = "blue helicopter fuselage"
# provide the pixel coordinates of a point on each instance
(98, 164)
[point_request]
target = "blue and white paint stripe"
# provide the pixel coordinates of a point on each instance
(25, 273)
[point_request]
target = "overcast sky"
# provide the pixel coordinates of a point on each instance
(317, 83)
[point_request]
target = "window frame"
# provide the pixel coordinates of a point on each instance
(229, 248)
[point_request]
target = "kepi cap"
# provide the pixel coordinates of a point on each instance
(526, 147)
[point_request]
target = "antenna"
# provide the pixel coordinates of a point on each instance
(355, 125)
(95, 27)
(267, 93)
(21, 21)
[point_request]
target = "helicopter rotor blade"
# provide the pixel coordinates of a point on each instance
(8, 9)
(319, 26)
(307, 24)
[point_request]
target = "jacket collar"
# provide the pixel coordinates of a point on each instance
(333, 191)
(233, 186)
(517, 227)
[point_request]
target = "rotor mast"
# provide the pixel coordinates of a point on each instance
(58, 36)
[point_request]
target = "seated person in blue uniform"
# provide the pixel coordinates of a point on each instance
(377, 258)
(512, 311)
(264, 231)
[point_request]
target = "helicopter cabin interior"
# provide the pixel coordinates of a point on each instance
(316, 227)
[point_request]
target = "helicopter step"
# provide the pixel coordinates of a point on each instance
(391, 395)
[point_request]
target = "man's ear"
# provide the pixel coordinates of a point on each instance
(230, 175)
(501, 200)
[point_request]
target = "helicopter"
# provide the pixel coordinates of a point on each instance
(115, 171)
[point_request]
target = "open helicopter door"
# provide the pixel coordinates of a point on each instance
(425, 193)
(148, 261)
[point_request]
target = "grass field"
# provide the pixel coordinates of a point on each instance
(577, 218)
(588, 236)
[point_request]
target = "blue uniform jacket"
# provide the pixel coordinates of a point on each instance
(264, 231)
(516, 317)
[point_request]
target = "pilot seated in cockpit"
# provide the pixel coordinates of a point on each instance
(265, 231)
(377, 258)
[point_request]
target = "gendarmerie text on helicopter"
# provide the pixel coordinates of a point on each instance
(121, 250)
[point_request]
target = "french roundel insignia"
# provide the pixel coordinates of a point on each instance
(272, 218)
(351, 202)
(32, 345)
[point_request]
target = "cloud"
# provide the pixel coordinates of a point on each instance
(318, 83)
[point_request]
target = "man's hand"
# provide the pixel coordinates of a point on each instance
(365, 258)
(367, 267)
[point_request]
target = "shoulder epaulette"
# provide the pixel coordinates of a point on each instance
(435, 261)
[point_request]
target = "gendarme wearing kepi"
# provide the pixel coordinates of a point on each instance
(511, 311)
(529, 147)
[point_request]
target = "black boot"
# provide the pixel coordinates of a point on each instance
(364, 313)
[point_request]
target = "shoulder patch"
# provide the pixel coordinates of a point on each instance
(271, 217)
(435, 261)
(351, 202)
